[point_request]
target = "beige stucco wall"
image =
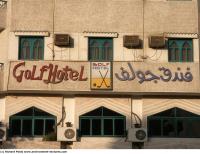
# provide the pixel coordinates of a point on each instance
(124, 17)
(2, 109)
(113, 15)
(80, 50)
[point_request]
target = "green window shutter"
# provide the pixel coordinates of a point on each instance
(100, 49)
(180, 50)
(31, 48)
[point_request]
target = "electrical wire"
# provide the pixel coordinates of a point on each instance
(156, 58)
(63, 116)
(137, 117)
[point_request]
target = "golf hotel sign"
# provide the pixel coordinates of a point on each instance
(101, 75)
(113, 76)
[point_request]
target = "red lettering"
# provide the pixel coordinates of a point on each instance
(18, 77)
(53, 73)
(74, 75)
(27, 74)
(33, 74)
(81, 78)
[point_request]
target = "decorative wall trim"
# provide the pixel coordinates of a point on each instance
(181, 35)
(100, 34)
(31, 33)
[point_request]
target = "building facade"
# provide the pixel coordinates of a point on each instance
(101, 66)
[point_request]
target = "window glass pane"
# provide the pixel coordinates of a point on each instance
(37, 49)
(194, 128)
(177, 56)
(100, 48)
(25, 49)
(180, 50)
(154, 127)
(169, 128)
(183, 113)
(108, 112)
(108, 127)
(119, 127)
(27, 112)
(85, 126)
(183, 128)
(38, 127)
(189, 55)
(27, 128)
(38, 112)
(96, 112)
(167, 113)
(96, 127)
(16, 127)
(31, 48)
(49, 126)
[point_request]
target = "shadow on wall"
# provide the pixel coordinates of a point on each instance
(8, 145)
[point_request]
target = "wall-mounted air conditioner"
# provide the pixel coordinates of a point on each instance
(131, 41)
(62, 40)
(2, 133)
(66, 134)
(137, 135)
(156, 42)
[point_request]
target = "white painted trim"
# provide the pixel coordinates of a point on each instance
(27, 33)
(181, 35)
(100, 34)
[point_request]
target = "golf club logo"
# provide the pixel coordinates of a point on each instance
(101, 75)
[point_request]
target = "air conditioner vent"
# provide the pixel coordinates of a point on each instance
(137, 135)
(66, 134)
(156, 42)
(131, 41)
(2, 133)
(62, 40)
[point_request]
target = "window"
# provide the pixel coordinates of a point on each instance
(100, 49)
(102, 122)
(32, 122)
(31, 48)
(174, 122)
(180, 50)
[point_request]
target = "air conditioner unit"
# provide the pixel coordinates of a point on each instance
(62, 40)
(2, 133)
(131, 41)
(156, 42)
(137, 135)
(66, 134)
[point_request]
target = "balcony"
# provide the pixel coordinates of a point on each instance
(61, 77)
(3, 12)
